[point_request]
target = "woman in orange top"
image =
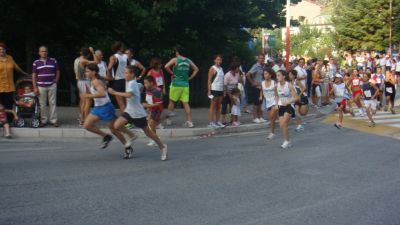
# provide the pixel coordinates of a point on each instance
(7, 87)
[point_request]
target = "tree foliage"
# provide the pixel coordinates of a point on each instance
(364, 24)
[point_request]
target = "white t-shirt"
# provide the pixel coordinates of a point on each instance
(339, 91)
(398, 66)
(133, 107)
(218, 83)
(119, 67)
(301, 73)
(276, 67)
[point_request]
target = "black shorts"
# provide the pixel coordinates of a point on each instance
(138, 122)
(314, 88)
(286, 109)
(217, 93)
(253, 98)
(303, 101)
(118, 85)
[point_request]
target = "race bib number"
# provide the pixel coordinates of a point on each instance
(367, 93)
(389, 90)
(159, 81)
(149, 99)
(378, 80)
(356, 82)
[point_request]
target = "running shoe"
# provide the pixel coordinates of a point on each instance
(151, 143)
(213, 126)
(130, 140)
(299, 128)
(338, 126)
(128, 153)
(164, 153)
(160, 126)
(286, 144)
(189, 124)
(128, 126)
(106, 140)
(372, 124)
(262, 120)
(271, 136)
(168, 122)
(256, 120)
(221, 125)
(171, 114)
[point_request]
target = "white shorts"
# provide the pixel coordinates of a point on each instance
(83, 86)
(371, 104)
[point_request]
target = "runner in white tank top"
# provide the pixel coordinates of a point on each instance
(268, 93)
(302, 105)
(286, 97)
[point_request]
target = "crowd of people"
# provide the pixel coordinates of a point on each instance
(269, 87)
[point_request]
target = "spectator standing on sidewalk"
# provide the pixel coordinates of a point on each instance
(101, 64)
(231, 81)
(254, 79)
(302, 75)
(215, 92)
(179, 89)
(45, 77)
(136, 64)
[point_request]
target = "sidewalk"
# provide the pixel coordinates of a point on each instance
(69, 127)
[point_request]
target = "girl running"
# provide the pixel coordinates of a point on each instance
(302, 104)
(379, 80)
(154, 104)
(370, 92)
(356, 83)
(285, 96)
(4, 121)
(268, 93)
(134, 112)
(215, 92)
(390, 91)
(316, 84)
(103, 109)
(341, 98)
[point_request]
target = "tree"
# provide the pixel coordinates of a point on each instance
(364, 24)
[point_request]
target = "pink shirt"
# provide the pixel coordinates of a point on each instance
(231, 81)
(158, 76)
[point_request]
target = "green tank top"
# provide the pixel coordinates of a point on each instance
(181, 73)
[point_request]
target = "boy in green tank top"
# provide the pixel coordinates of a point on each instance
(179, 89)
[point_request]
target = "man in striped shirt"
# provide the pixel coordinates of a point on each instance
(46, 74)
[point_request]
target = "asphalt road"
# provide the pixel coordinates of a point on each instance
(328, 177)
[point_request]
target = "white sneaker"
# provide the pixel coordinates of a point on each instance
(171, 114)
(151, 143)
(160, 126)
(299, 128)
(262, 120)
(164, 153)
(130, 140)
(286, 144)
(168, 122)
(271, 136)
(235, 124)
(189, 124)
(221, 125)
(256, 120)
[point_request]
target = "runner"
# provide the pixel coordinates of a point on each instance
(154, 104)
(379, 80)
(316, 84)
(135, 114)
(215, 92)
(302, 104)
(370, 92)
(285, 96)
(341, 98)
(268, 94)
(390, 91)
(103, 109)
(179, 89)
(356, 83)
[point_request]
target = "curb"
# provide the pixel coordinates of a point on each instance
(163, 133)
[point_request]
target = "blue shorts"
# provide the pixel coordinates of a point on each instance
(105, 112)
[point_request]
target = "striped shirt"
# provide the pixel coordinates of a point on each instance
(46, 71)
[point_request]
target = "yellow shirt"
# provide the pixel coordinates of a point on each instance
(7, 67)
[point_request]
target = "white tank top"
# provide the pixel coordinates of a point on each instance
(99, 101)
(284, 93)
(269, 92)
(218, 83)
(119, 67)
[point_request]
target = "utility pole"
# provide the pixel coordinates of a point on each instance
(390, 26)
(287, 33)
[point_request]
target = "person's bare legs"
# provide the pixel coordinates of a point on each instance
(116, 132)
(211, 111)
(272, 117)
(121, 103)
(187, 111)
(89, 125)
(283, 123)
(119, 124)
(149, 133)
(217, 109)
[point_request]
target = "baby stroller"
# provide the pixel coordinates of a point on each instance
(27, 104)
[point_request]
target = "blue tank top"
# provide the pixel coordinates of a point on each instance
(368, 90)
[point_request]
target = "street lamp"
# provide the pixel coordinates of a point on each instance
(390, 26)
(287, 33)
